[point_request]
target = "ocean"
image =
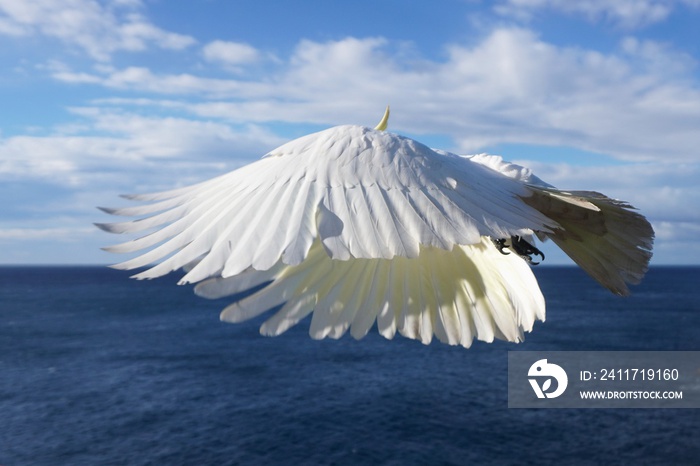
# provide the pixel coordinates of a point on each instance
(98, 369)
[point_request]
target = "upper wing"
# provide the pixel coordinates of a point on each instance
(363, 193)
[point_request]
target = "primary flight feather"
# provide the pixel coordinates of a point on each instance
(355, 225)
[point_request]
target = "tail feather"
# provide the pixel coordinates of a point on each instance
(604, 236)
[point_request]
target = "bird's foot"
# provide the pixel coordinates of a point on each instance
(521, 247)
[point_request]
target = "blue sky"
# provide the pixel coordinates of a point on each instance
(101, 98)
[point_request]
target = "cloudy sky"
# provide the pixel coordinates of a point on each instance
(100, 98)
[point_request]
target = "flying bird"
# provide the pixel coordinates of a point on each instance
(356, 225)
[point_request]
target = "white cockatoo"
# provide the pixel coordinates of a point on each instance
(356, 225)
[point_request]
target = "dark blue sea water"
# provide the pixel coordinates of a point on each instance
(98, 369)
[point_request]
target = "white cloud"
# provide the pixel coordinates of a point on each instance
(684, 232)
(625, 13)
(230, 54)
(99, 29)
(511, 87)
(121, 149)
(11, 28)
(30, 234)
(144, 80)
(53, 239)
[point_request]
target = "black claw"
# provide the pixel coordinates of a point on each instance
(521, 247)
(500, 245)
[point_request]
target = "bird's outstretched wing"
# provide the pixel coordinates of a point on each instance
(357, 225)
(364, 193)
